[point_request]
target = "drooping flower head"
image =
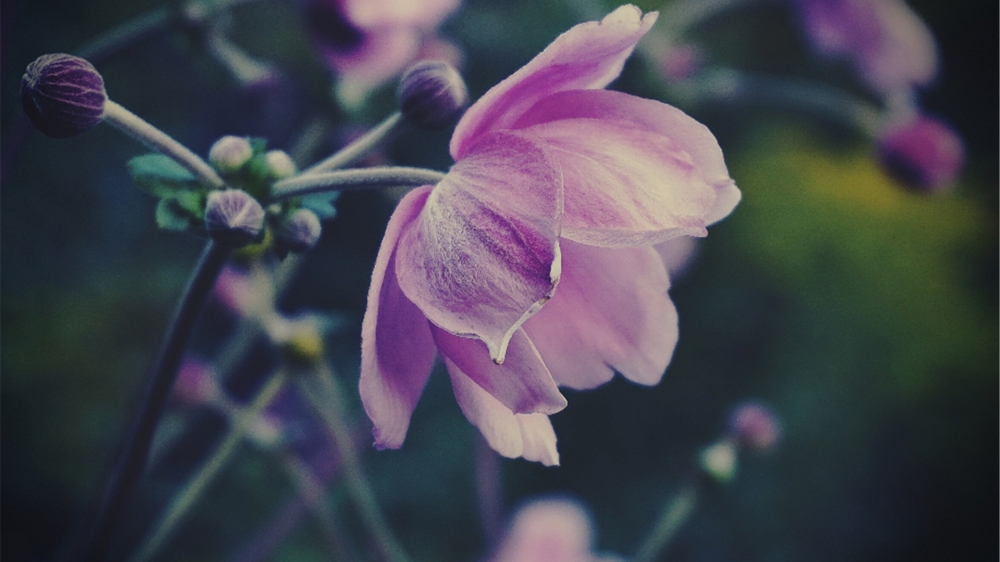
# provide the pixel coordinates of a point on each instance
(923, 152)
(368, 42)
(885, 39)
(532, 264)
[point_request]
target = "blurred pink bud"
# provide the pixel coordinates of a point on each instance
(755, 427)
(196, 384)
(924, 153)
(681, 62)
(550, 530)
(235, 290)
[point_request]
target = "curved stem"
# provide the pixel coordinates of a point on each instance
(671, 519)
(352, 152)
(135, 447)
(134, 126)
(489, 493)
(240, 422)
(369, 178)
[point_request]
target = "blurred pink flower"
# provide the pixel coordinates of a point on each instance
(369, 42)
(921, 151)
(550, 530)
(557, 183)
(888, 42)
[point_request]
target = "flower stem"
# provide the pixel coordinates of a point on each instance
(326, 398)
(380, 176)
(240, 423)
(313, 493)
(134, 126)
(135, 447)
(352, 152)
(674, 515)
(488, 490)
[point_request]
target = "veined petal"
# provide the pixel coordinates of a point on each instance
(589, 55)
(512, 435)
(483, 256)
(625, 185)
(693, 137)
(397, 350)
(611, 311)
(522, 384)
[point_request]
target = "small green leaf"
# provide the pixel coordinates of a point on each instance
(160, 175)
(321, 204)
(181, 212)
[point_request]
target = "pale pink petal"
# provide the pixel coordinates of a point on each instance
(693, 137)
(397, 350)
(611, 311)
(589, 55)
(539, 439)
(382, 55)
(906, 56)
(625, 185)
(483, 256)
(522, 384)
(512, 435)
(421, 14)
(549, 530)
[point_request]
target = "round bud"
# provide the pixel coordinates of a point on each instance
(432, 94)
(300, 230)
(279, 164)
(63, 95)
(923, 153)
(230, 153)
(196, 384)
(719, 461)
(233, 217)
(755, 427)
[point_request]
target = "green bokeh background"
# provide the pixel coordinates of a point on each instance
(863, 313)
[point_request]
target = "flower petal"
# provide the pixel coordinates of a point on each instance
(397, 350)
(589, 55)
(420, 14)
(625, 185)
(483, 256)
(611, 311)
(523, 383)
(693, 137)
(512, 435)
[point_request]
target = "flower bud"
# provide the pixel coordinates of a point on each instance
(266, 431)
(230, 153)
(196, 384)
(233, 217)
(300, 230)
(432, 94)
(279, 164)
(63, 95)
(924, 153)
(754, 426)
(719, 461)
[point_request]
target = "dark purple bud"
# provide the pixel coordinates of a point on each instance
(924, 153)
(234, 217)
(63, 95)
(754, 426)
(300, 230)
(432, 94)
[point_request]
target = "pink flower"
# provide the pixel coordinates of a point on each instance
(550, 530)
(368, 42)
(923, 152)
(531, 265)
(888, 42)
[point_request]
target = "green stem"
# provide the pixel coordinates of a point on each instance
(313, 494)
(134, 126)
(326, 398)
(370, 178)
(674, 515)
(489, 494)
(352, 152)
(240, 423)
(135, 448)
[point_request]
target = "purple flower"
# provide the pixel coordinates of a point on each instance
(532, 264)
(888, 42)
(368, 42)
(550, 530)
(923, 152)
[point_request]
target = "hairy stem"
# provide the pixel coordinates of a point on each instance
(352, 152)
(674, 515)
(370, 178)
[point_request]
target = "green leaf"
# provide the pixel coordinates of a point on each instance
(161, 175)
(182, 212)
(321, 204)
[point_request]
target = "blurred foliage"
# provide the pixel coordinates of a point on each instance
(865, 314)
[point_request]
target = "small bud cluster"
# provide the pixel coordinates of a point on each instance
(752, 427)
